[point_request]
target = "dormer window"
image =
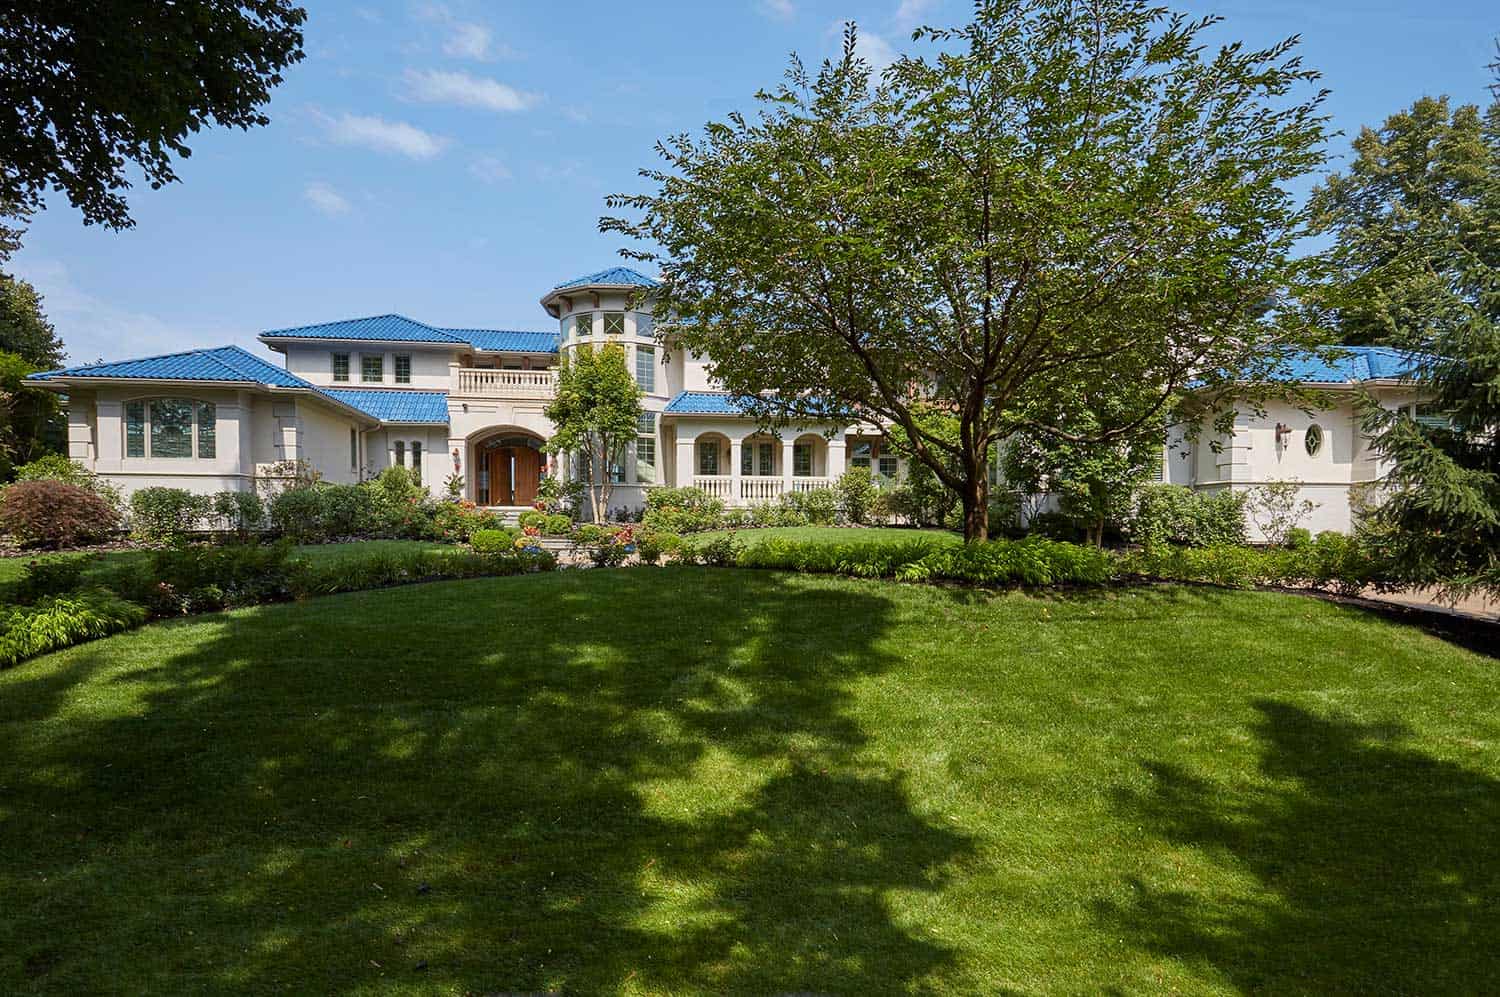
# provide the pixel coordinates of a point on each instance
(614, 323)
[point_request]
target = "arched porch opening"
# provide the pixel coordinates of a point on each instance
(508, 465)
(712, 470)
(809, 461)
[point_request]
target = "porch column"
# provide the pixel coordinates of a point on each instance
(735, 446)
(836, 457)
(786, 465)
(683, 472)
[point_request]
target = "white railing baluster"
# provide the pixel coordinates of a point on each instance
(480, 382)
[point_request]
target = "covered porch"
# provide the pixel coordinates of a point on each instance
(748, 467)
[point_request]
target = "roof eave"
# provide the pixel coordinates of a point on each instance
(272, 341)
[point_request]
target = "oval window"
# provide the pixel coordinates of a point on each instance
(1314, 439)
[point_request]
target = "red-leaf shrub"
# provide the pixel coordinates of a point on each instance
(55, 513)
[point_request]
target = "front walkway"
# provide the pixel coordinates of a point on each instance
(1475, 607)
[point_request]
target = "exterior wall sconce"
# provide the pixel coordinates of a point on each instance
(1283, 433)
(455, 460)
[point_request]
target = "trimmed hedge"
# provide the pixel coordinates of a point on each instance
(387, 569)
(1331, 562)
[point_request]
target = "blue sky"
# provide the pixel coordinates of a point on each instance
(449, 160)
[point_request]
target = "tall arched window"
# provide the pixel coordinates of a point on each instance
(171, 428)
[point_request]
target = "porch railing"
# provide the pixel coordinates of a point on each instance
(480, 382)
(717, 485)
(754, 488)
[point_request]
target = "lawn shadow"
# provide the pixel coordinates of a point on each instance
(1374, 866)
(573, 782)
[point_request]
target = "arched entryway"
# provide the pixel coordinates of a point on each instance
(508, 468)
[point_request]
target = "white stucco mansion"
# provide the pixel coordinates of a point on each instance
(356, 396)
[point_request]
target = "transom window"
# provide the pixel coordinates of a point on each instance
(583, 324)
(614, 323)
(171, 428)
(341, 366)
(403, 368)
(1313, 440)
(372, 368)
(645, 367)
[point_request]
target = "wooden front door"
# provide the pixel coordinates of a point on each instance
(526, 476)
(515, 475)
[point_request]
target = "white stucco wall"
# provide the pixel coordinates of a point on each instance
(314, 362)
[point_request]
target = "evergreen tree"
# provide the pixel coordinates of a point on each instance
(1420, 262)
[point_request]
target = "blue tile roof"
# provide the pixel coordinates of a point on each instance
(1347, 364)
(229, 364)
(614, 276)
(703, 403)
(508, 341)
(389, 328)
(389, 405)
(400, 329)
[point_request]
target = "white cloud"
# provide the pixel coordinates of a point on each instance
(95, 328)
(468, 41)
(911, 13)
(440, 87)
(875, 50)
(489, 169)
(384, 136)
(782, 10)
(326, 200)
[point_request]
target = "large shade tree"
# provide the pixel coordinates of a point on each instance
(1061, 195)
(1415, 222)
(88, 88)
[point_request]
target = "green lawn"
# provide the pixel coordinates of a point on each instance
(691, 780)
(835, 534)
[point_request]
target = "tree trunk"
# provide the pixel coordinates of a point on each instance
(976, 498)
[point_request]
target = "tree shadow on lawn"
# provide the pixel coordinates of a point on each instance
(1375, 867)
(644, 779)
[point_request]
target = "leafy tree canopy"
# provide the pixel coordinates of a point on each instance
(597, 411)
(88, 87)
(1413, 236)
(1416, 222)
(1093, 482)
(1064, 194)
(24, 329)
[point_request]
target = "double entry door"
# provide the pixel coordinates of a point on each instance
(515, 474)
